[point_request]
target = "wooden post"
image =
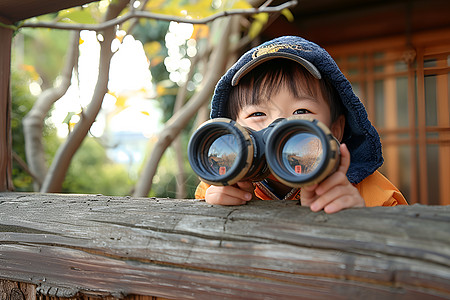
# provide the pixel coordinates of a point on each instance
(79, 246)
(5, 108)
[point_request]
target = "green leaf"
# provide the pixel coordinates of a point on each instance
(82, 16)
(68, 117)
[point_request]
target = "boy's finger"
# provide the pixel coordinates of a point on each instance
(340, 176)
(217, 199)
(327, 198)
(246, 186)
(224, 193)
(336, 179)
(308, 194)
(345, 159)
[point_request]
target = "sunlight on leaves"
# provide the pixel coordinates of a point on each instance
(201, 31)
(32, 71)
(194, 9)
(241, 5)
(77, 15)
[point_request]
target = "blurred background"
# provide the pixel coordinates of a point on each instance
(124, 106)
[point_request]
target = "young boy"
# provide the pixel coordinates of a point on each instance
(292, 76)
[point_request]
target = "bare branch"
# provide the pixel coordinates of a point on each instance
(23, 165)
(33, 122)
(179, 120)
(155, 16)
(58, 169)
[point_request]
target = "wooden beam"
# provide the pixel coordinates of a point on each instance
(15, 11)
(75, 246)
(5, 110)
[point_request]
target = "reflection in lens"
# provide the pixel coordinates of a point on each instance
(302, 153)
(222, 154)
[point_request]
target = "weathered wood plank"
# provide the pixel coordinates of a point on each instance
(69, 245)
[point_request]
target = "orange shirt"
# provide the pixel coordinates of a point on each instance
(375, 189)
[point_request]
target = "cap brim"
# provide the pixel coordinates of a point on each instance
(263, 58)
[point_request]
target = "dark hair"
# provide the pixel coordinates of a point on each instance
(267, 79)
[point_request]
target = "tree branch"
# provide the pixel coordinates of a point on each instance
(22, 164)
(155, 16)
(57, 172)
(179, 120)
(33, 122)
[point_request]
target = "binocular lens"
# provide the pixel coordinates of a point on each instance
(296, 151)
(222, 154)
(301, 153)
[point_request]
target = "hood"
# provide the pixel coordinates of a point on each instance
(360, 136)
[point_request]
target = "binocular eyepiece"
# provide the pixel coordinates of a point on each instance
(297, 151)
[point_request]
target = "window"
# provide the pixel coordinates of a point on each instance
(406, 92)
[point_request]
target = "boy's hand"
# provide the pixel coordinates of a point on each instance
(335, 192)
(237, 194)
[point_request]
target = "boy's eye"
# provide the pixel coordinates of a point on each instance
(301, 111)
(257, 114)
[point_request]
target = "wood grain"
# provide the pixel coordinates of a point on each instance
(101, 246)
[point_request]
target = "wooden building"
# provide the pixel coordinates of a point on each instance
(396, 54)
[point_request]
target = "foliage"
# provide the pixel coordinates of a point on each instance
(22, 101)
(92, 172)
(50, 47)
(165, 181)
(151, 34)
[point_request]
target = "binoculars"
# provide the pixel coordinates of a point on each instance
(296, 150)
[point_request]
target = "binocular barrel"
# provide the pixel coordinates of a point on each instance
(297, 151)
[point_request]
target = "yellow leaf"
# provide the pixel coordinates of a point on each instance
(255, 29)
(121, 100)
(199, 9)
(120, 34)
(155, 5)
(160, 90)
(288, 15)
(156, 61)
(173, 7)
(112, 94)
(200, 31)
(241, 5)
(152, 48)
(166, 87)
(261, 17)
(32, 71)
(258, 24)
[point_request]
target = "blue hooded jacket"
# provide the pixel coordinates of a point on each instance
(360, 136)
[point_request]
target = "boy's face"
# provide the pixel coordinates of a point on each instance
(284, 105)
